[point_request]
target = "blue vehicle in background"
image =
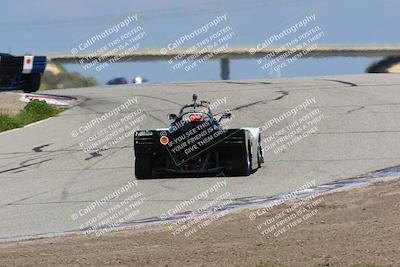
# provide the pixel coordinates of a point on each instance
(116, 81)
(21, 73)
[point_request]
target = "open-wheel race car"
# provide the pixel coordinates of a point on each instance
(196, 143)
(21, 73)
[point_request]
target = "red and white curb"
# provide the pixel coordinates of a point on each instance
(55, 100)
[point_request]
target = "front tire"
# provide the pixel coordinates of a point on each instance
(30, 82)
(143, 167)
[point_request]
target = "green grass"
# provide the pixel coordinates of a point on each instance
(35, 110)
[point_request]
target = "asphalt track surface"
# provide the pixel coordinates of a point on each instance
(45, 176)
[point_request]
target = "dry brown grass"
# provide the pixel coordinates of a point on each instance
(10, 105)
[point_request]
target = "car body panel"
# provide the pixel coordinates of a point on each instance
(13, 68)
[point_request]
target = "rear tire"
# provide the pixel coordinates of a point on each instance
(241, 163)
(260, 156)
(259, 161)
(30, 82)
(143, 167)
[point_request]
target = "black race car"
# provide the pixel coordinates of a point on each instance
(116, 81)
(21, 73)
(196, 143)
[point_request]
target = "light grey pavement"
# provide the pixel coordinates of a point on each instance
(45, 177)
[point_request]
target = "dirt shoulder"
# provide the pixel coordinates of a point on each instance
(354, 228)
(10, 104)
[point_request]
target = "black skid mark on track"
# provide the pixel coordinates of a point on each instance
(25, 165)
(234, 82)
(23, 199)
(161, 99)
(352, 110)
(94, 155)
(154, 117)
(19, 171)
(40, 148)
(283, 94)
(343, 82)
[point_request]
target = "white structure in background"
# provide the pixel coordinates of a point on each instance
(138, 80)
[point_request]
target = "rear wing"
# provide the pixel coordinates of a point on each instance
(182, 147)
(24, 64)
